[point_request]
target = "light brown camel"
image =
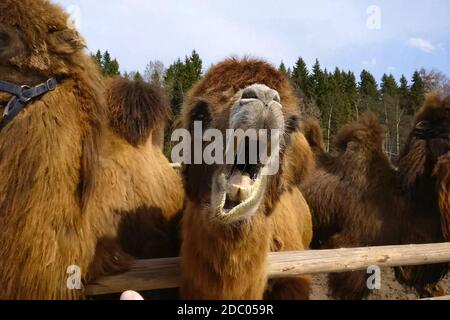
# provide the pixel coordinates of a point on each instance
(67, 178)
(234, 215)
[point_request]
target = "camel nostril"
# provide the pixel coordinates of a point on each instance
(277, 98)
(249, 94)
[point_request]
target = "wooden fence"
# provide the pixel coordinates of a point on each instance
(165, 273)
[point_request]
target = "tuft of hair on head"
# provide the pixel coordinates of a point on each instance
(435, 99)
(136, 108)
(312, 131)
(367, 131)
(436, 106)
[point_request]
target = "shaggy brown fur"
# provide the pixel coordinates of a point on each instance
(359, 199)
(349, 199)
(223, 261)
(423, 168)
(443, 174)
(65, 177)
(137, 121)
(313, 133)
(49, 157)
(145, 187)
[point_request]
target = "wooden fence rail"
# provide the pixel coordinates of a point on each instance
(165, 273)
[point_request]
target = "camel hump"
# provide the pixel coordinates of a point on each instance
(313, 133)
(367, 132)
(136, 108)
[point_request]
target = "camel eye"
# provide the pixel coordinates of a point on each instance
(4, 39)
(52, 29)
(422, 125)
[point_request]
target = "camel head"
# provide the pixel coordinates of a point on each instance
(37, 42)
(429, 141)
(251, 105)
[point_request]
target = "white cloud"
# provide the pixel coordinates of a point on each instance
(391, 68)
(370, 63)
(422, 44)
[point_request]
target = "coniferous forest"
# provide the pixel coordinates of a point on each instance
(335, 97)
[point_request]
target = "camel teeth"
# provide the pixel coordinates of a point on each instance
(233, 191)
(245, 193)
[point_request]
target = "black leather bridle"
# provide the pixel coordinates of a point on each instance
(22, 95)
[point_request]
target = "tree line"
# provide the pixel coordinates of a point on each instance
(334, 97)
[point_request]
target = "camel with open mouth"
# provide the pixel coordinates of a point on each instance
(236, 213)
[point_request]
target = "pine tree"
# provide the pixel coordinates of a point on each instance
(107, 66)
(106, 62)
(389, 86)
(138, 76)
(180, 77)
(404, 95)
(193, 69)
(300, 78)
(113, 68)
(351, 91)
(368, 86)
(98, 59)
(417, 92)
(318, 80)
(283, 70)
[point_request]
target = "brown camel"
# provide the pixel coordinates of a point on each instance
(235, 215)
(359, 199)
(68, 179)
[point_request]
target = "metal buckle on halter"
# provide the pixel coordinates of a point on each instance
(22, 97)
(51, 84)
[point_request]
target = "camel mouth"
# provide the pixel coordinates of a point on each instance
(237, 193)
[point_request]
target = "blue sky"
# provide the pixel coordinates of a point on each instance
(392, 37)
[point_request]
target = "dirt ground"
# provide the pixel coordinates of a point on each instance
(390, 288)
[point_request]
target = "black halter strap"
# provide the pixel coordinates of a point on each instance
(22, 95)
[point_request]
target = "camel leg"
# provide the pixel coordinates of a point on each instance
(348, 285)
(289, 289)
(109, 259)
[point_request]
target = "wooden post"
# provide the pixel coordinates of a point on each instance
(165, 273)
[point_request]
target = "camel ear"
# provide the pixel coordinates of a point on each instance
(65, 41)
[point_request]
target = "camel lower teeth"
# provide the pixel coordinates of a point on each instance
(245, 193)
(237, 193)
